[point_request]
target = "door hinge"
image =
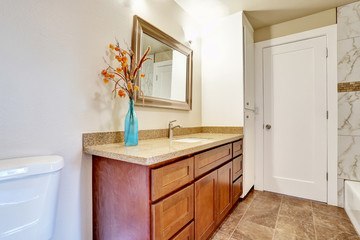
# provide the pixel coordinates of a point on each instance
(327, 114)
(327, 52)
(327, 176)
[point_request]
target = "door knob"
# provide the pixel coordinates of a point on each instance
(268, 126)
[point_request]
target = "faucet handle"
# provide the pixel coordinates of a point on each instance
(172, 121)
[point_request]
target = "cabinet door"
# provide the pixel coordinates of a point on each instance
(249, 67)
(224, 193)
(172, 213)
(249, 151)
(205, 205)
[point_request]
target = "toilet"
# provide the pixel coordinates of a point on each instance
(28, 197)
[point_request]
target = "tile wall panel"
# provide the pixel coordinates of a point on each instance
(348, 25)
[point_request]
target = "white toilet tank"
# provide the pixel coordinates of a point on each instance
(28, 197)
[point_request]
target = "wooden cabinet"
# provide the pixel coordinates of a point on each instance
(171, 177)
(183, 199)
(186, 234)
(224, 191)
(172, 213)
(205, 205)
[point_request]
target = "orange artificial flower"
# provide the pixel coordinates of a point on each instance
(123, 73)
(142, 75)
(122, 93)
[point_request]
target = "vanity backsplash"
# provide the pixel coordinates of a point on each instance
(100, 138)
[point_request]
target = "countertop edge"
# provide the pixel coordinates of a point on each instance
(154, 160)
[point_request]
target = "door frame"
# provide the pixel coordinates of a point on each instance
(332, 105)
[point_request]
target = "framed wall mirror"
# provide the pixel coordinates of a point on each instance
(168, 76)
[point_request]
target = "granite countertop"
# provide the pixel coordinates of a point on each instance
(153, 151)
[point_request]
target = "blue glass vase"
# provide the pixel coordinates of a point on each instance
(131, 126)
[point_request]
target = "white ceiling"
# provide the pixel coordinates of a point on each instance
(260, 13)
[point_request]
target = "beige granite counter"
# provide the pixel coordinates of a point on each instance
(154, 151)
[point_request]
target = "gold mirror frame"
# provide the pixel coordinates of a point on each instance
(141, 26)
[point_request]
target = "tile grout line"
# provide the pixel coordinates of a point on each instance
(277, 217)
(241, 217)
(313, 215)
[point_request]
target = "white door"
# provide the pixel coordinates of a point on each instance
(162, 79)
(295, 119)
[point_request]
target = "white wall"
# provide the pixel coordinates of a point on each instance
(50, 91)
(222, 72)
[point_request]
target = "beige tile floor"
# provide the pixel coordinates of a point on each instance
(265, 215)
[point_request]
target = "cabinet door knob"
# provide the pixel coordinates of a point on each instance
(247, 103)
(268, 126)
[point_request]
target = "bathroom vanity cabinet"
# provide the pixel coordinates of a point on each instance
(186, 197)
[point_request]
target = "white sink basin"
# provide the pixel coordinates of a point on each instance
(190, 140)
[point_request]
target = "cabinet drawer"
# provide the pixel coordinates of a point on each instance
(237, 189)
(237, 148)
(171, 177)
(186, 234)
(172, 213)
(208, 160)
(237, 164)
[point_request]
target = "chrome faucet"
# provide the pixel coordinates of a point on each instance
(171, 127)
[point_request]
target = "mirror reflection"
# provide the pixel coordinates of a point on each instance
(168, 77)
(165, 74)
